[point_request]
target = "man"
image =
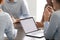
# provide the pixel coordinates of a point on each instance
(53, 30)
(6, 25)
(17, 9)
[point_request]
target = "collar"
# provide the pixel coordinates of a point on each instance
(15, 1)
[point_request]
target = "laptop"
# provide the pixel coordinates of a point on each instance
(30, 28)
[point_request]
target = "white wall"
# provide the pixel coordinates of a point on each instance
(36, 8)
(32, 7)
(40, 8)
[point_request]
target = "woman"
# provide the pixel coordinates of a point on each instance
(46, 14)
(53, 31)
(6, 25)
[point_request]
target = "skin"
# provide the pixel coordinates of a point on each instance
(48, 1)
(11, 0)
(56, 5)
(2, 4)
(48, 10)
(47, 13)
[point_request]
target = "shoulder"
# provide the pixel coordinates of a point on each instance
(8, 17)
(5, 15)
(57, 13)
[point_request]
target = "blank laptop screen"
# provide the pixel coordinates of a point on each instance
(28, 25)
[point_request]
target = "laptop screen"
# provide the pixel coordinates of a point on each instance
(28, 24)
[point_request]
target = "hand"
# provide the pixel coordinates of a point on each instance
(50, 9)
(15, 20)
(47, 13)
(39, 24)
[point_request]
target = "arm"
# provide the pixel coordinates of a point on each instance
(40, 24)
(47, 13)
(10, 28)
(49, 33)
(24, 9)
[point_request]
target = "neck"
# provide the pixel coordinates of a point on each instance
(57, 7)
(11, 1)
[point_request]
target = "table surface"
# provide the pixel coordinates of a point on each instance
(21, 35)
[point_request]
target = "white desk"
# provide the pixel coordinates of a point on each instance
(30, 38)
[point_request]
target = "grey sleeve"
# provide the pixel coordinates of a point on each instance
(24, 9)
(10, 28)
(52, 27)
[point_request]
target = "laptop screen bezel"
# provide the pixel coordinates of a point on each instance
(34, 22)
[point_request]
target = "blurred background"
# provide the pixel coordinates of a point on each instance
(36, 8)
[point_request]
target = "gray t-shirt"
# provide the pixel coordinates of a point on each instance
(6, 26)
(17, 9)
(53, 30)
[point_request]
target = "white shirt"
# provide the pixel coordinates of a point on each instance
(18, 9)
(53, 30)
(6, 26)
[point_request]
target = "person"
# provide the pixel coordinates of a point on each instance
(6, 25)
(46, 14)
(53, 30)
(17, 9)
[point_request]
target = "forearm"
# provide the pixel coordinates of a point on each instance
(15, 20)
(10, 29)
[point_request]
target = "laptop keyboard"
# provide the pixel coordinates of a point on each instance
(38, 33)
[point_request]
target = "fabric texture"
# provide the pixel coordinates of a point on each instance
(18, 9)
(6, 26)
(53, 30)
